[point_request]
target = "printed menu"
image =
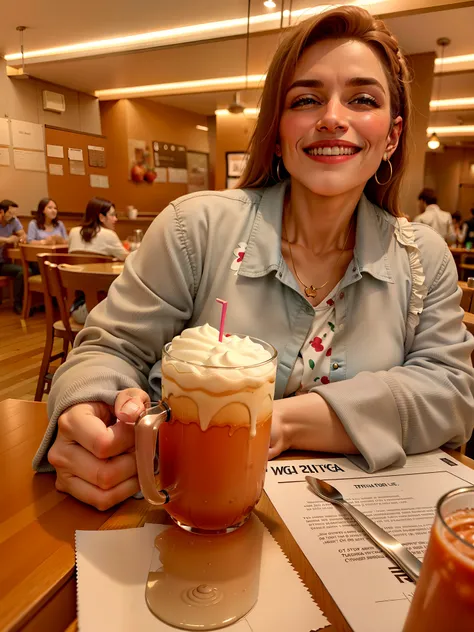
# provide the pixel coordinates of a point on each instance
(371, 591)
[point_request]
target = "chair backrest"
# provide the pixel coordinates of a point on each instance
(94, 254)
(59, 309)
(467, 302)
(94, 285)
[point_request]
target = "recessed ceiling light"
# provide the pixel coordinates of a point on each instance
(182, 87)
(451, 130)
(166, 37)
(269, 4)
(452, 103)
(457, 59)
(202, 128)
(246, 112)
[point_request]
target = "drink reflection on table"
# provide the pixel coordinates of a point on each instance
(203, 582)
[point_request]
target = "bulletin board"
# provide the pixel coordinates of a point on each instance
(72, 192)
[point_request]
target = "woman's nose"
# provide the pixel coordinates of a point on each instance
(333, 118)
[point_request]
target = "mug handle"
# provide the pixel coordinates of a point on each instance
(146, 440)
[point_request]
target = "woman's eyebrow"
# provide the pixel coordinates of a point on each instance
(364, 81)
(354, 82)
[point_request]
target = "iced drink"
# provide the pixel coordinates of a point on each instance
(444, 596)
(214, 449)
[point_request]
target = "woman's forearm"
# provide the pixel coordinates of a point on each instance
(309, 423)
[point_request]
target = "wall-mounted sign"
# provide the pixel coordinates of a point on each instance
(169, 155)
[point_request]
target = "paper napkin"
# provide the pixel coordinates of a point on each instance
(112, 568)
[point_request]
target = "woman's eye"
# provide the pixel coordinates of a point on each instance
(366, 99)
(304, 101)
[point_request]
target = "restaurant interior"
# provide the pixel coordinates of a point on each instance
(140, 105)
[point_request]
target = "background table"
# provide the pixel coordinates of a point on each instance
(14, 253)
(37, 526)
(114, 268)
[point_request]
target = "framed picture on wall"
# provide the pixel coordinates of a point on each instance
(235, 162)
(198, 171)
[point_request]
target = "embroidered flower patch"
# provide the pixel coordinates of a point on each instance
(239, 254)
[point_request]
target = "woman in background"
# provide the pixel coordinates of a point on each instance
(97, 233)
(46, 228)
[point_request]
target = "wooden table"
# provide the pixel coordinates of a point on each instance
(14, 253)
(37, 526)
(108, 267)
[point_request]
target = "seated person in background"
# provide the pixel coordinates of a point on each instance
(460, 229)
(470, 229)
(97, 233)
(46, 228)
(362, 306)
(432, 215)
(11, 232)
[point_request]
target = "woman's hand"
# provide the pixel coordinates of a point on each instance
(279, 438)
(94, 454)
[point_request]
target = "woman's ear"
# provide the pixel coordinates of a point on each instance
(278, 150)
(394, 136)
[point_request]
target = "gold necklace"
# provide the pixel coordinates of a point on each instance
(312, 290)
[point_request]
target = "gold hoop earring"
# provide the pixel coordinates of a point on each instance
(280, 162)
(382, 184)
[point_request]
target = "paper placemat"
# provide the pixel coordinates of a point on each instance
(112, 568)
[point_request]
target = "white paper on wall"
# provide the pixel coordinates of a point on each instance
(177, 175)
(4, 157)
(56, 170)
(4, 132)
(27, 135)
(29, 160)
(55, 151)
(75, 154)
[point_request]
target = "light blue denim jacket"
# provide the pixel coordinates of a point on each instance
(401, 378)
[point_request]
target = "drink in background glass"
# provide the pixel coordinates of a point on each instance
(213, 448)
(444, 595)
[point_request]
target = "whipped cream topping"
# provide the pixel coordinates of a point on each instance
(191, 369)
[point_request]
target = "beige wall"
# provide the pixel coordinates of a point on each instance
(143, 119)
(22, 99)
(233, 133)
(448, 173)
(422, 68)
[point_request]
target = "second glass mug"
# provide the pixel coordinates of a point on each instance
(213, 439)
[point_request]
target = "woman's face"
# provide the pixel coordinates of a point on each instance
(109, 220)
(50, 211)
(336, 124)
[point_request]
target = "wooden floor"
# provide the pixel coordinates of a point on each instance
(21, 352)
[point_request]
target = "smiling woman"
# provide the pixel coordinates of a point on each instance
(362, 307)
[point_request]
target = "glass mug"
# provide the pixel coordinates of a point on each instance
(444, 595)
(213, 440)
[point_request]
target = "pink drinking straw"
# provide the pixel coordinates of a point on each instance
(223, 315)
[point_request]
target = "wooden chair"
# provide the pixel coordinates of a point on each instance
(31, 282)
(58, 321)
(6, 281)
(94, 285)
(466, 265)
(467, 302)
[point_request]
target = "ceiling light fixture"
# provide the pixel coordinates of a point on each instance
(449, 61)
(167, 37)
(269, 4)
(202, 128)
(451, 130)
(181, 87)
(246, 112)
(452, 104)
(442, 42)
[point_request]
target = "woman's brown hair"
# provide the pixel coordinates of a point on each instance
(345, 22)
(91, 223)
(40, 216)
